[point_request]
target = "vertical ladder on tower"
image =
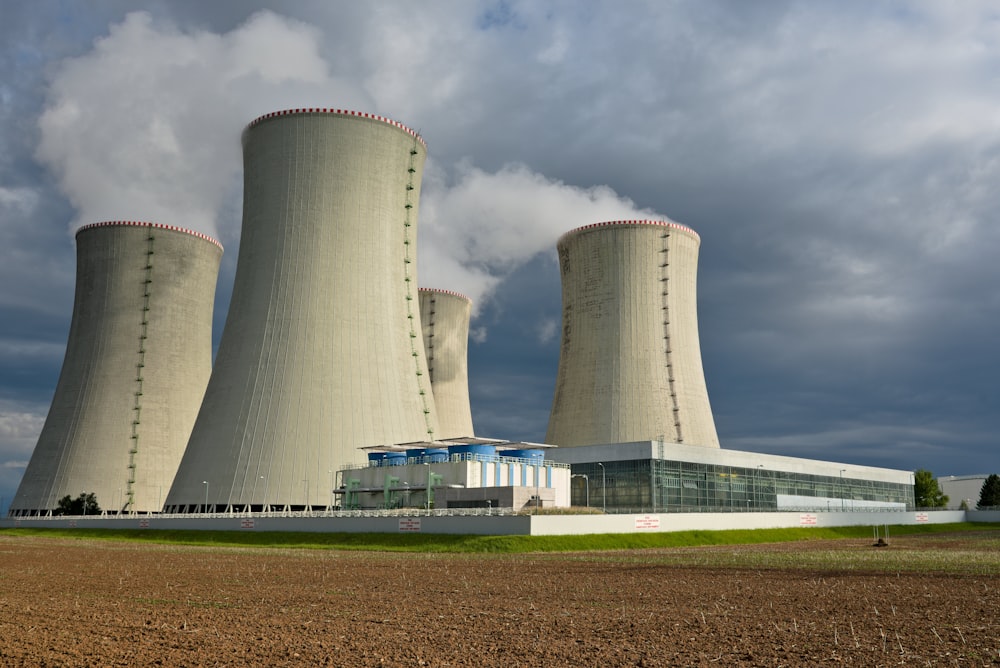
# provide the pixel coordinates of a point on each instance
(147, 287)
(667, 346)
(408, 242)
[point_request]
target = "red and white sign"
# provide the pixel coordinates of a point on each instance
(72, 524)
(246, 524)
(647, 522)
(143, 524)
(922, 517)
(409, 524)
(807, 520)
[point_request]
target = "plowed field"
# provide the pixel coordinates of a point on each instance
(70, 602)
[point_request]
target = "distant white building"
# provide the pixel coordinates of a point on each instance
(962, 488)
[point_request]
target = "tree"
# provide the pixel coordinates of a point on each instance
(85, 504)
(989, 495)
(926, 490)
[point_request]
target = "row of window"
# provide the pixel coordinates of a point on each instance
(664, 486)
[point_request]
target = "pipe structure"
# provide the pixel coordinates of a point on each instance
(444, 316)
(321, 352)
(630, 360)
(137, 361)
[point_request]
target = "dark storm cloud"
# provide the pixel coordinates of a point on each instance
(838, 160)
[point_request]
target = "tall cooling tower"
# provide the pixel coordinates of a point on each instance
(630, 362)
(321, 353)
(445, 318)
(138, 359)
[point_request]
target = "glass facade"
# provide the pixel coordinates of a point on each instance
(656, 485)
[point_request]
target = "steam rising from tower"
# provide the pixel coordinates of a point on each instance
(445, 318)
(630, 361)
(137, 361)
(322, 351)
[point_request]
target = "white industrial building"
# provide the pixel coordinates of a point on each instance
(456, 473)
(962, 489)
(657, 476)
(322, 349)
(444, 316)
(137, 360)
(630, 359)
(329, 347)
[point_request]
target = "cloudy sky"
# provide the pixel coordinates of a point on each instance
(839, 160)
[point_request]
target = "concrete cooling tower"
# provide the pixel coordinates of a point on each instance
(630, 362)
(137, 362)
(321, 353)
(445, 318)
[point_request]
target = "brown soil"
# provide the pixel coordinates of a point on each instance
(83, 603)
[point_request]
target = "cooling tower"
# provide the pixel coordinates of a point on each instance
(630, 362)
(137, 361)
(445, 319)
(321, 352)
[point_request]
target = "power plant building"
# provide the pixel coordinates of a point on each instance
(137, 361)
(661, 477)
(322, 349)
(456, 473)
(445, 316)
(630, 360)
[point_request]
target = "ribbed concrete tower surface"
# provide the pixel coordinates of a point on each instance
(321, 353)
(445, 318)
(630, 361)
(137, 362)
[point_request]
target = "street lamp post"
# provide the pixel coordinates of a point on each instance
(842, 488)
(756, 487)
(205, 483)
(538, 476)
(604, 488)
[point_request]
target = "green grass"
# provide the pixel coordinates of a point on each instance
(441, 543)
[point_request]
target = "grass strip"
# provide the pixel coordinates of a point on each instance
(465, 544)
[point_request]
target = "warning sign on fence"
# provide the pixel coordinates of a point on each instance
(409, 524)
(922, 517)
(807, 519)
(647, 522)
(246, 524)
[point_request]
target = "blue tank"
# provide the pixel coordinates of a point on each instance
(474, 451)
(394, 459)
(376, 458)
(534, 456)
(434, 455)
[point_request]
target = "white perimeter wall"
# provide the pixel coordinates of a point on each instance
(535, 525)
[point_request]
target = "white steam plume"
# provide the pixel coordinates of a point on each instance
(477, 231)
(146, 126)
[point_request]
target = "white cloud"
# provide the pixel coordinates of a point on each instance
(483, 226)
(146, 125)
(547, 329)
(19, 430)
(20, 200)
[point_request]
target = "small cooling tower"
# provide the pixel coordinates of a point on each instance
(445, 318)
(321, 353)
(137, 361)
(630, 361)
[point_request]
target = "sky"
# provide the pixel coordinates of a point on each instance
(838, 160)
